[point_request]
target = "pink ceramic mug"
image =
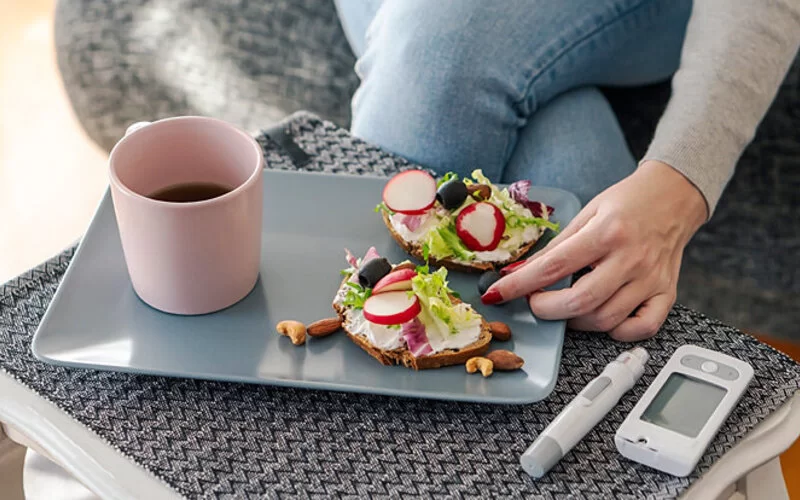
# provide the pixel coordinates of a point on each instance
(193, 257)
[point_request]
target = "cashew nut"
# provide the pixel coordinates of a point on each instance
(295, 330)
(478, 363)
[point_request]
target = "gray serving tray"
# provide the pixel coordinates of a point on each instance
(96, 320)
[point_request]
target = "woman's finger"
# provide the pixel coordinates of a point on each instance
(615, 310)
(646, 321)
(573, 227)
(585, 296)
(575, 253)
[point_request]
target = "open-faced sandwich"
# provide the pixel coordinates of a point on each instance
(407, 315)
(466, 224)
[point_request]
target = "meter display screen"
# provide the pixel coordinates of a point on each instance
(684, 404)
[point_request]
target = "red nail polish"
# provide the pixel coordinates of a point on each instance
(512, 267)
(491, 297)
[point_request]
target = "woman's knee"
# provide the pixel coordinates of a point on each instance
(418, 42)
(430, 90)
(574, 143)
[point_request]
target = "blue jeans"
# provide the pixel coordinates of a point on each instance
(509, 86)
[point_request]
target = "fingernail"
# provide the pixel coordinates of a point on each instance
(491, 297)
(512, 267)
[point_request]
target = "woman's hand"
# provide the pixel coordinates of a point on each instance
(632, 235)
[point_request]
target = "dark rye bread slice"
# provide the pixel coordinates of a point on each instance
(402, 356)
(415, 249)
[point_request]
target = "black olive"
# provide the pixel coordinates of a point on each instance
(452, 194)
(371, 272)
(486, 280)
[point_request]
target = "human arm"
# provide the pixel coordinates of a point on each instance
(735, 55)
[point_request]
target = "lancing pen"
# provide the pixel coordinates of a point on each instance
(584, 412)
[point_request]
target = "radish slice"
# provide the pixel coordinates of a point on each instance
(411, 192)
(480, 226)
(391, 308)
(394, 281)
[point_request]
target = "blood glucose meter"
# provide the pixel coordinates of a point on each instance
(682, 410)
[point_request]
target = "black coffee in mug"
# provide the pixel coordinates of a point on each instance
(190, 191)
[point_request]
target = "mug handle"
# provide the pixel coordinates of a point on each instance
(136, 126)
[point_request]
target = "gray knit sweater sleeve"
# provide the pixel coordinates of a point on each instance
(735, 55)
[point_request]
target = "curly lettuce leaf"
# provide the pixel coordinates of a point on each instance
(449, 176)
(517, 214)
(500, 197)
(426, 253)
(480, 178)
(434, 296)
(381, 207)
(443, 242)
(356, 295)
(520, 221)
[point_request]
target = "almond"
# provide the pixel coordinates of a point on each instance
(324, 327)
(404, 265)
(479, 191)
(505, 361)
(500, 331)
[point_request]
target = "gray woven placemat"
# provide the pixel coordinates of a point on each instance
(224, 440)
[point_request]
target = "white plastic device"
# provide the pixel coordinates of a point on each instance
(588, 408)
(682, 410)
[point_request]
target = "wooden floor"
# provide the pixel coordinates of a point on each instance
(52, 176)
